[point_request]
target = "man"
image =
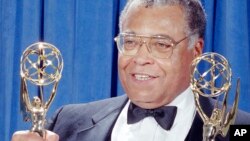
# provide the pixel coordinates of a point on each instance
(157, 42)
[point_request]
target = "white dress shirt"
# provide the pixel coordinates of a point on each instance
(149, 130)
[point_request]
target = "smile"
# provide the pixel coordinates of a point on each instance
(143, 77)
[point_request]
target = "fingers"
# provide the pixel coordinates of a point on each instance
(26, 136)
(32, 136)
(51, 136)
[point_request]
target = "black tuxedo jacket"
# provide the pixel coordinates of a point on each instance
(94, 121)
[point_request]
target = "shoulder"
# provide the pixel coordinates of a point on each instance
(92, 107)
(75, 113)
(242, 117)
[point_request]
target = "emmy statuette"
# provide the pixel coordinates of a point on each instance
(214, 82)
(41, 66)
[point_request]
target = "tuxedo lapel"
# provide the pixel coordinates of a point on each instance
(102, 121)
(196, 131)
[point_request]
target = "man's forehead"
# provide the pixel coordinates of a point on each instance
(159, 15)
(153, 3)
(137, 8)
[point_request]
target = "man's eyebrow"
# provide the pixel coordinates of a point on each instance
(154, 35)
(162, 35)
(129, 32)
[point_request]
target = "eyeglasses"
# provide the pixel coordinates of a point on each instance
(159, 46)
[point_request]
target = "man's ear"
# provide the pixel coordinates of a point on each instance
(198, 47)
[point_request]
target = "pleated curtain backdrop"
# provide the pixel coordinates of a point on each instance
(83, 30)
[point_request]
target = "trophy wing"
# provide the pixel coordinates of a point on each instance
(231, 116)
(25, 105)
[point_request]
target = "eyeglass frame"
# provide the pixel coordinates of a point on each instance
(173, 42)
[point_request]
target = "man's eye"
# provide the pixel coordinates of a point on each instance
(129, 44)
(162, 45)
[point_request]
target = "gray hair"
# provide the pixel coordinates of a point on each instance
(193, 10)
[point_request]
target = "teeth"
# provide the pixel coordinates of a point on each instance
(142, 77)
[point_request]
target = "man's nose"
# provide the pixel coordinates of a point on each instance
(144, 48)
(143, 56)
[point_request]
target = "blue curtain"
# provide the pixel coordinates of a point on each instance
(83, 30)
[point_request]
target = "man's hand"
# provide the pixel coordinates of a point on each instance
(31, 136)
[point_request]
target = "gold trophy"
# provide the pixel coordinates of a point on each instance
(214, 82)
(41, 65)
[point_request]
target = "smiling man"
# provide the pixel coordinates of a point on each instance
(157, 42)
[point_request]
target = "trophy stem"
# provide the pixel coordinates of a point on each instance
(208, 139)
(41, 133)
(38, 114)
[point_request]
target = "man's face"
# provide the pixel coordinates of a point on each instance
(151, 82)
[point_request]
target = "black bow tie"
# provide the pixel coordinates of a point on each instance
(164, 115)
